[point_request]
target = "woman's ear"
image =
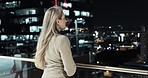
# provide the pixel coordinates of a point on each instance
(57, 21)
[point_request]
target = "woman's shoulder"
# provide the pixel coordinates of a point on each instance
(62, 37)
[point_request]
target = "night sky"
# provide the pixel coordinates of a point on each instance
(121, 12)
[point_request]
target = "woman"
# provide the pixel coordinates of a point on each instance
(53, 53)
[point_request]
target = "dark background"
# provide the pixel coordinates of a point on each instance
(133, 12)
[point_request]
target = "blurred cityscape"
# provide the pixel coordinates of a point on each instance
(113, 44)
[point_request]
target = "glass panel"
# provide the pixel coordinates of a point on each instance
(10, 68)
(13, 67)
(92, 73)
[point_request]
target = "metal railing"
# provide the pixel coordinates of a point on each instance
(90, 66)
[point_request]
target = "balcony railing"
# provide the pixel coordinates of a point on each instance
(28, 70)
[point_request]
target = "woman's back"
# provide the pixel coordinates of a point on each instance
(57, 55)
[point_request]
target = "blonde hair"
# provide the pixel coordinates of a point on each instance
(48, 30)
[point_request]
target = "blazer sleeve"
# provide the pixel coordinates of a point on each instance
(66, 56)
